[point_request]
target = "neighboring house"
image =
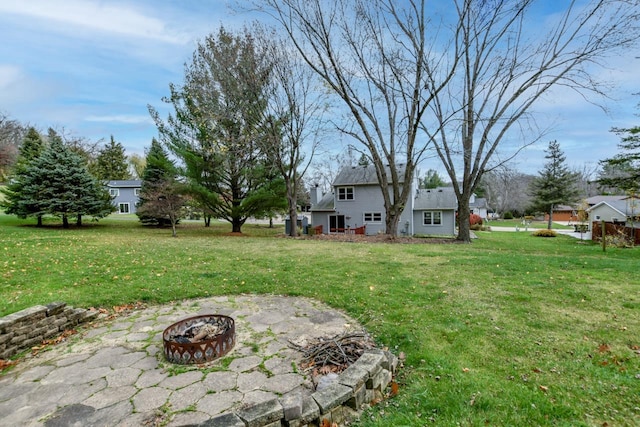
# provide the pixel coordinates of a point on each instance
(125, 194)
(478, 206)
(563, 213)
(570, 213)
(616, 211)
(594, 200)
(356, 202)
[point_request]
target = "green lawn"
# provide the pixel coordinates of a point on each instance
(510, 330)
(532, 224)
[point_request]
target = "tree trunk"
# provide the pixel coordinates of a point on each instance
(79, 220)
(65, 221)
(173, 228)
(391, 223)
(464, 230)
(236, 226)
(207, 220)
(293, 208)
(39, 221)
(550, 222)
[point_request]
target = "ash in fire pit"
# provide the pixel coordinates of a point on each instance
(199, 339)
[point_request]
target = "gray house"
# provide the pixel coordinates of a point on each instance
(616, 210)
(125, 194)
(355, 204)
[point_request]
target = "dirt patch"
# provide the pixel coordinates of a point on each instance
(380, 238)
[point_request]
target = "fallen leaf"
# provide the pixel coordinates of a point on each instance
(394, 389)
(4, 364)
(604, 348)
(544, 388)
(537, 370)
(465, 369)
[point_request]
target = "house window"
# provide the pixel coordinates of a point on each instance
(123, 208)
(373, 217)
(432, 218)
(136, 191)
(345, 193)
(115, 192)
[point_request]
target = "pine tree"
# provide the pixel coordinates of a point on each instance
(111, 163)
(555, 185)
(158, 184)
(624, 168)
(57, 183)
(30, 149)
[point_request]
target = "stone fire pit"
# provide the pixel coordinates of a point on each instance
(199, 339)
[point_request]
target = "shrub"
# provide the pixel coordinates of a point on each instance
(475, 219)
(507, 215)
(545, 233)
(619, 240)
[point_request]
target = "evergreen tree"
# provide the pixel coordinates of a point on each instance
(623, 170)
(431, 180)
(30, 149)
(218, 121)
(111, 163)
(57, 183)
(158, 179)
(555, 185)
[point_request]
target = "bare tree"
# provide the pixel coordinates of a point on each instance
(293, 116)
(587, 179)
(11, 134)
(505, 68)
(371, 55)
(506, 189)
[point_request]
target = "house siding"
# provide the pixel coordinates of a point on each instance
(605, 212)
(126, 194)
(444, 229)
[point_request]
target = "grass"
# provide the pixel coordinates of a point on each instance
(510, 330)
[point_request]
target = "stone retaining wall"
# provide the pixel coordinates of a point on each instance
(362, 383)
(29, 327)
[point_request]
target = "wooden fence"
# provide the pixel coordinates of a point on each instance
(612, 229)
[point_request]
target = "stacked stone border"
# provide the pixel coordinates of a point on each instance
(23, 329)
(362, 383)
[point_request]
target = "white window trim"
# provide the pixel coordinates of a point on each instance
(372, 220)
(114, 192)
(345, 198)
(432, 223)
(127, 204)
(136, 191)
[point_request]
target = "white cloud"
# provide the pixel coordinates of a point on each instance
(106, 17)
(120, 118)
(9, 75)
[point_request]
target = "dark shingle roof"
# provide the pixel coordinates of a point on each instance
(362, 175)
(437, 198)
(325, 204)
(127, 183)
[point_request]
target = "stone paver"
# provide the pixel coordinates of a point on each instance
(114, 373)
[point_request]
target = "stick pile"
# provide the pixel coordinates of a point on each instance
(335, 354)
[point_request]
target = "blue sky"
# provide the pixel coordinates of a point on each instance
(91, 67)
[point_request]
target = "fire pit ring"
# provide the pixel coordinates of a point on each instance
(178, 349)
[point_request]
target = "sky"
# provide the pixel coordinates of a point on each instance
(91, 67)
